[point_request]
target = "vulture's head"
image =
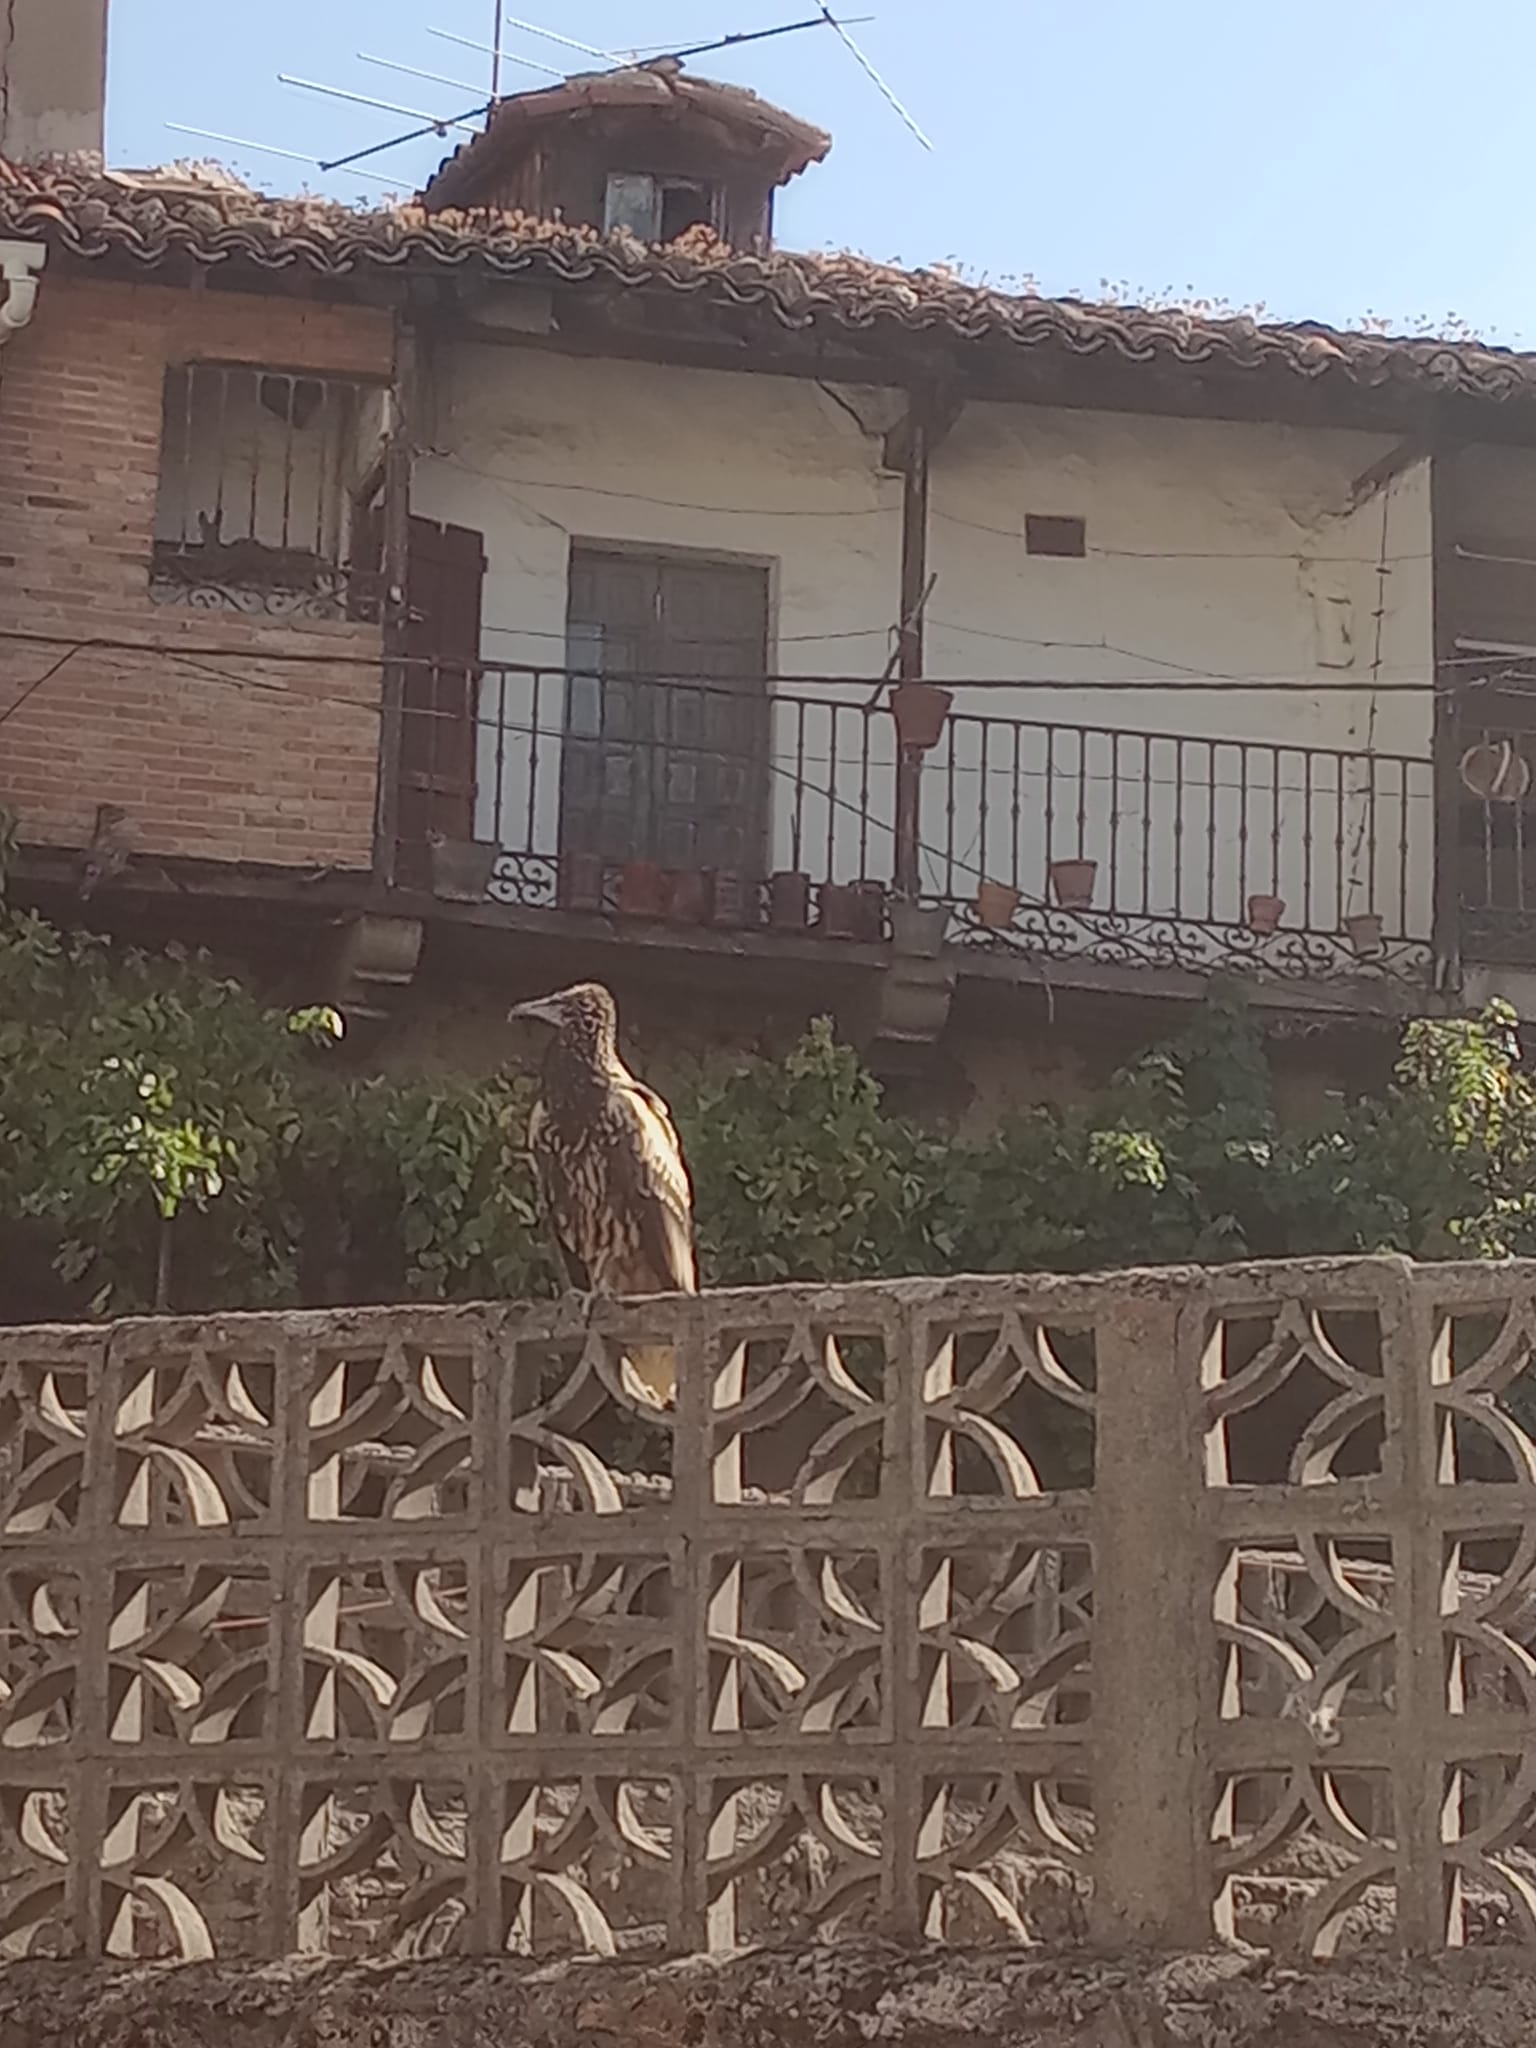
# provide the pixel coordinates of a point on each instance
(583, 1015)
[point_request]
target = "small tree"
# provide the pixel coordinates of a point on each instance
(135, 1095)
(136, 1142)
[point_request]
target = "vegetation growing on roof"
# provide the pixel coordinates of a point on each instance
(89, 215)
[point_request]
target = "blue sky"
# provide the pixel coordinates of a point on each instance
(1361, 159)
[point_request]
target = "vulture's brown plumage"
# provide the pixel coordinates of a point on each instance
(611, 1172)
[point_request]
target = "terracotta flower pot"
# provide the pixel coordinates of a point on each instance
(1265, 913)
(920, 710)
(642, 889)
(461, 868)
(580, 882)
(733, 899)
(839, 911)
(1365, 933)
(996, 903)
(850, 910)
(789, 900)
(869, 912)
(689, 895)
(917, 929)
(1072, 883)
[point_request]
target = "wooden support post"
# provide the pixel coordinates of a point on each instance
(1447, 740)
(909, 644)
(395, 626)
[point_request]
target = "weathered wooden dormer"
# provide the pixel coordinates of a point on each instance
(644, 148)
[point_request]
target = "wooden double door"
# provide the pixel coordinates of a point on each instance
(666, 753)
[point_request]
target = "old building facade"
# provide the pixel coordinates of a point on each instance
(554, 577)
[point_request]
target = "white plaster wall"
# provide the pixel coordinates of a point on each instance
(1217, 552)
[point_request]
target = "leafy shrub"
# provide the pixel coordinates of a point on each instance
(166, 1138)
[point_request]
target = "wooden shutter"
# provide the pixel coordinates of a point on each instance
(445, 575)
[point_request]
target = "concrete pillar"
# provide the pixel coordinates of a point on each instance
(53, 78)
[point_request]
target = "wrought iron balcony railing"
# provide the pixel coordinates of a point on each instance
(1496, 826)
(775, 802)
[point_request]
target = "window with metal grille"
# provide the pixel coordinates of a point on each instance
(271, 483)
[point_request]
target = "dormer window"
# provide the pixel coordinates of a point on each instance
(658, 209)
(643, 147)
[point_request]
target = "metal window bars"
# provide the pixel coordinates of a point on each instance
(264, 483)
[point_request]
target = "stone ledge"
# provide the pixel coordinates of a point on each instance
(831, 1997)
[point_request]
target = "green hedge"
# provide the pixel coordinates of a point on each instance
(162, 1135)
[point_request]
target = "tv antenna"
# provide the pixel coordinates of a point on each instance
(470, 120)
(268, 149)
(548, 35)
(840, 26)
(497, 56)
(363, 99)
(414, 71)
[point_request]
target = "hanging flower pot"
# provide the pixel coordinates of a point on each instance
(689, 895)
(1265, 913)
(996, 903)
(1365, 934)
(789, 900)
(580, 882)
(920, 710)
(642, 889)
(1072, 883)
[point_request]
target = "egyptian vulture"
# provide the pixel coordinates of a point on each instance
(611, 1172)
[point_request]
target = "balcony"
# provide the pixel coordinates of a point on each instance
(773, 805)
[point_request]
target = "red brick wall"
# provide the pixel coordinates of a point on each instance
(273, 763)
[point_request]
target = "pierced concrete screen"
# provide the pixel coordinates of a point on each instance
(1124, 1609)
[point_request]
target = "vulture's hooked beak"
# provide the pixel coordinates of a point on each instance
(542, 1010)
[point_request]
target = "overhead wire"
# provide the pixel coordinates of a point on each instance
(945, 859)
(703, 687)
(1299, 556)
(31, 689)
(870, 72)
(1170, 677)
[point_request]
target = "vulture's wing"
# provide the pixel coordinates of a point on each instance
(553, 1193)
(659, 1189)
